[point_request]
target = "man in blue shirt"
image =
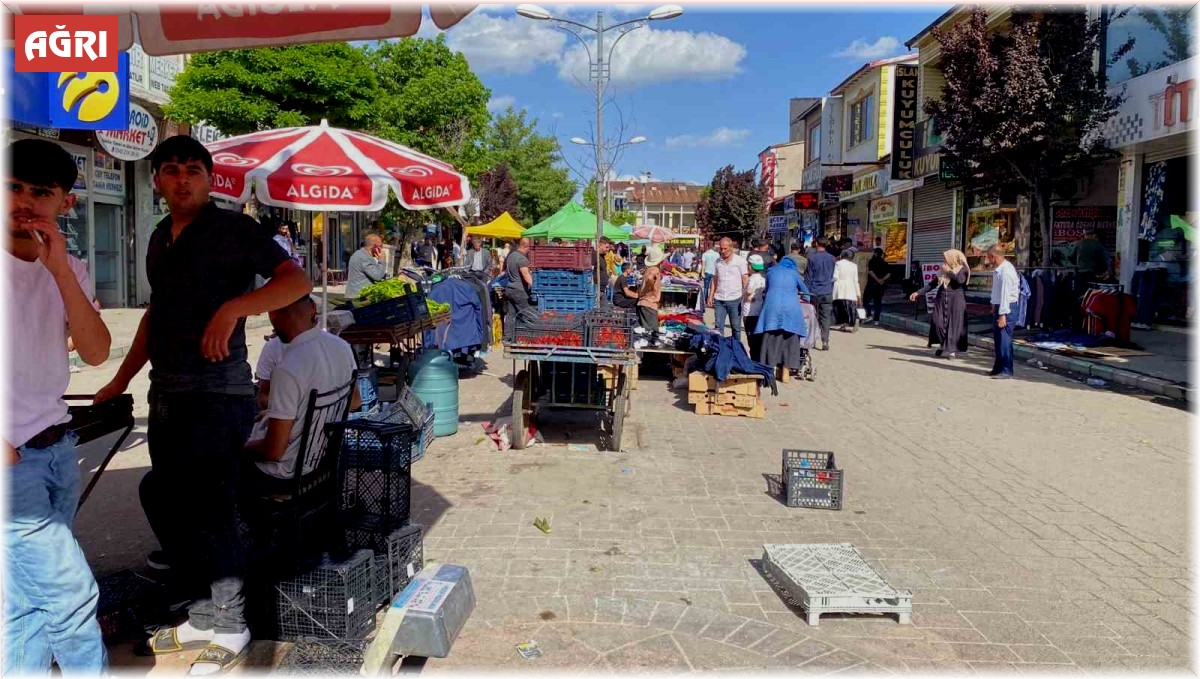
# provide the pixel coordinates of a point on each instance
(819, 277)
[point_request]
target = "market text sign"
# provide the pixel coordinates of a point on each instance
(57, 43)
(904, 123)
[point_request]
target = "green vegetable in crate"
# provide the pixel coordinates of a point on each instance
(436, 308)
(383, 291)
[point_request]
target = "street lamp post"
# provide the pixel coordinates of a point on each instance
(599, 64)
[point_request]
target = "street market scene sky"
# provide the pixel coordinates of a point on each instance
(706, 89)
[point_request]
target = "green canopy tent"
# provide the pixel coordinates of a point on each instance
(573, 222)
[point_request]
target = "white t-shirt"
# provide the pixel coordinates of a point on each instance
(729, 278)
(758, 284)
(313, 360)
(272, 354)
(709, 258)
(36, 335)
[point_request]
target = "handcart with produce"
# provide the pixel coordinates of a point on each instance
(574, 354)
(392, 312)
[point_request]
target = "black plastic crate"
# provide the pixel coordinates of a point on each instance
(395, 311)
(399, 551)
(549, 328)
(128, 603)
(333, 599)
(320, 657)
(610, 327)
(811, 479)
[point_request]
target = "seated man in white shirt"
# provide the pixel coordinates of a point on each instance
(311, 359)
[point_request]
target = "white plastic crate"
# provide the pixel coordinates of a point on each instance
(833, 578)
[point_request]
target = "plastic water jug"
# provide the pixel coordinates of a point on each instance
(433, 377)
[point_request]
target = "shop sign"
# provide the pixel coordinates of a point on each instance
(809, 221)
(81, 179)
(898, 187)
(808, 200)
(163, 71)
(885, 209)
(135, 142)
(1157, 104)
(1068, 224)
(793, 221)
(768, 161)
(904, 123)
(789, 203)
(869, 182)
(108, 175)
(929, 274)
(206, 133)
(71, 100)
(777, 224)
(47, 132)
(151, 78)
(811, 178)
(837, 183)
(927, 157)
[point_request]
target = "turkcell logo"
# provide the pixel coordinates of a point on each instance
(96, 100)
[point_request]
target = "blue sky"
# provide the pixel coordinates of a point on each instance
(707, 89)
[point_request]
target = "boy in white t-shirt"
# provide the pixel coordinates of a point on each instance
(50, 594)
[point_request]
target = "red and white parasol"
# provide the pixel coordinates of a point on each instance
(653, 233)
(327, 168)
(203, 27)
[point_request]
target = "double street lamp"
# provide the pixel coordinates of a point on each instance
(599, 72)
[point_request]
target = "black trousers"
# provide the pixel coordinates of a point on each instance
(197, 445)
(873, 300)
(751, 322)
(824, 305)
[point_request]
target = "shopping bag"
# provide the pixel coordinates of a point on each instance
(862, 314)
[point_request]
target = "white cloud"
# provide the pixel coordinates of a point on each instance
(557, 115)
(860, 49)
(500, 104)
(505, 44)
(722, 136)
(648, 55)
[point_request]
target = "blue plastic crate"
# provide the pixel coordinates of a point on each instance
(565, 302)
(559, 281)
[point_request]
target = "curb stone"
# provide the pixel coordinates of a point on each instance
(1084, 368)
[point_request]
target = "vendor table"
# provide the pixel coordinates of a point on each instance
(404, 336)
(684, 290)
(678, 359)
(552, 378)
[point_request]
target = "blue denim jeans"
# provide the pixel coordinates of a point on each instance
(50, 594)
(731, 309)
(704, 291)
(1002, 338)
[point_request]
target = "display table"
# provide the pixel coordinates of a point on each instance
(405, 336)
(678, 358)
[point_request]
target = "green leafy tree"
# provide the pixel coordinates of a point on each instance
(616, 218)
(1023, 111)
(731, 205)
(242, 91)
(431, 101)
(535, 161)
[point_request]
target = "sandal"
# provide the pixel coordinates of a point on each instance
(165, 642)
(220, 656)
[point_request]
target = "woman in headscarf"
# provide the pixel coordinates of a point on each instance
(781, 321)
(948, 327)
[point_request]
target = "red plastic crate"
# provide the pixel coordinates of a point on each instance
(572, 257)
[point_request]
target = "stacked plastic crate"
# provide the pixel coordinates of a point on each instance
(563, 278)
(371, 550)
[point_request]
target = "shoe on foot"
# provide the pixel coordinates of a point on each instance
(938, 353)
(1001, 376)
(825, 346)
(158, 560)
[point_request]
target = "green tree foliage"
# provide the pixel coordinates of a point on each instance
(733, 205)
(616, 218)
(543, 185)
(431, 101)
(241, 91)
(1022, 111)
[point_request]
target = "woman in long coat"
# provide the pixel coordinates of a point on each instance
(948, 328)
(781, 321)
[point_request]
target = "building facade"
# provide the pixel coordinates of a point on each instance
(671, 205)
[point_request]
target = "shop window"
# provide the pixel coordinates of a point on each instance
(860, 121)
(987, 227)
(814, 143)
(1162, 35)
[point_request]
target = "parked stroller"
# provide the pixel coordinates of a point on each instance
(808, 371)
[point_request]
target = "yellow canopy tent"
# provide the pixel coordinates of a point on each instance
(503, 226)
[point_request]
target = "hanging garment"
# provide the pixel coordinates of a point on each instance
(465, 328)
(721, 356)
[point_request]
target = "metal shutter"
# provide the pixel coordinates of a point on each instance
(933, 222)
